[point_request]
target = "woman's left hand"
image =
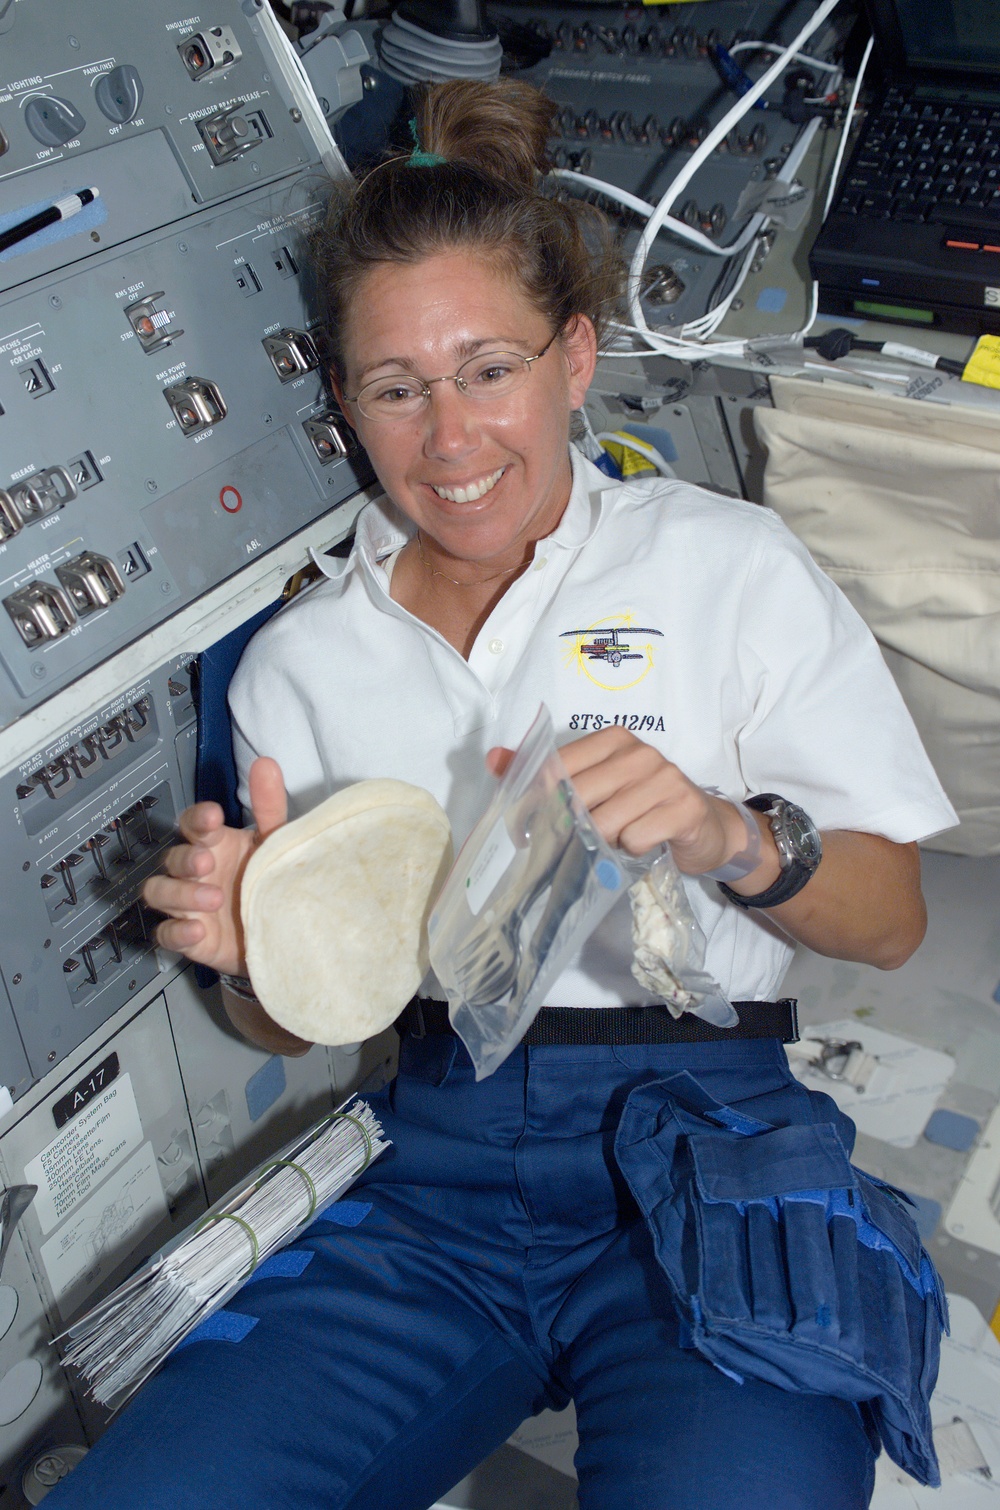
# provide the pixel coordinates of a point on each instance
(639, 799)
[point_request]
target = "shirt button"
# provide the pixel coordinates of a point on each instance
(541, 563)
(496, 647)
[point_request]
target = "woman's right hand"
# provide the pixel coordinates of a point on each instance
(200, 890)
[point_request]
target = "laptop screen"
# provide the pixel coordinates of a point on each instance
(950, 34)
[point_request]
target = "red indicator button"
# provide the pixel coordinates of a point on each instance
(231, 500)
(965, 246)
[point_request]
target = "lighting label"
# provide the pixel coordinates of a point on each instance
(75, 1163)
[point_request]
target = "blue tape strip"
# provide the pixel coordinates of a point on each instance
(224, 1326)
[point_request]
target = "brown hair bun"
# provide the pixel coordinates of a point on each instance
(502, 129)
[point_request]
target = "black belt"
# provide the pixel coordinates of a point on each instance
(621, 1025)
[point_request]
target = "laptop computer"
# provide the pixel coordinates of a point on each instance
(914, 232)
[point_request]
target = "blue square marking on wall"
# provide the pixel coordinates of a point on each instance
(771, 301)
(264, 1087)
(951, 1130)
(926, 1214)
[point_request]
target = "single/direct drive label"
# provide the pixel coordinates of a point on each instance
(75, 1162)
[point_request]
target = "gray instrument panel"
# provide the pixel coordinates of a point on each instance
(81, 827)
(638, 94)
(163, 419)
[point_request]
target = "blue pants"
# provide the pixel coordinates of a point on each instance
(503, 1267)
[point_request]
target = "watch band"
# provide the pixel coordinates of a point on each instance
(793, 876)
(239, 985)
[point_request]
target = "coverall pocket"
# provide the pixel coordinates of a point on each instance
(786, 1263)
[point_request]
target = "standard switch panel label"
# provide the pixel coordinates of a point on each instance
(96, 1239)
(76, 1162)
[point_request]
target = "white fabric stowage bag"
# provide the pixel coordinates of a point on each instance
(899, 502)
(335, 908)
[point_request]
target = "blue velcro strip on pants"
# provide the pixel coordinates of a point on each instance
(289, 1263)
(224, 1326)
(345, 1213)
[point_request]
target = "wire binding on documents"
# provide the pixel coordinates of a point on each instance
(126, 1337)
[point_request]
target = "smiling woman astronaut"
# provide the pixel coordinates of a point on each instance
(534, 1237)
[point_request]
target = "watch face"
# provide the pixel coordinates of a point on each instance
(801, 834)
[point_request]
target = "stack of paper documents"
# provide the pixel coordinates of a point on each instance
(126, 1337)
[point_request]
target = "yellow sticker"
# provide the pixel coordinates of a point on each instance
(995, 1323)
(983, 367)
(630, 463)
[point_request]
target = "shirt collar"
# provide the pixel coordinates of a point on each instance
(383, 528)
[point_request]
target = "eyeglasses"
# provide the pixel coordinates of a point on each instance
(491, 375)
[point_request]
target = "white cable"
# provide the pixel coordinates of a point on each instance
(633, 444)
(676, 227)
(722, 350)
(852, 106)
(708, 146)
(800, 57)
(706, 324)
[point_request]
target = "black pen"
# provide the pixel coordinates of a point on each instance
(61, 210)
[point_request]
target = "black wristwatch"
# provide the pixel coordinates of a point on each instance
(799, 846)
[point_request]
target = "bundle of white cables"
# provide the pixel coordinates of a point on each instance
(694, 339)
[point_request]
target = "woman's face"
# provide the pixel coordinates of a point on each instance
(483, 479)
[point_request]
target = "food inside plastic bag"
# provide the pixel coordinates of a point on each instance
(531, 883)
(669, 947)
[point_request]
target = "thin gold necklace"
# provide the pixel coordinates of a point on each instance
(454, 580)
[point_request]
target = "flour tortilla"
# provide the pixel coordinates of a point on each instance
(335, 908)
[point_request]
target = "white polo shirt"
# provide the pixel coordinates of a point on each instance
(697, 621)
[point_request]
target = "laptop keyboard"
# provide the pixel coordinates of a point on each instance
(927, 162)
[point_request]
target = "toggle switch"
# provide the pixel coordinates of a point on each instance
(93, 581)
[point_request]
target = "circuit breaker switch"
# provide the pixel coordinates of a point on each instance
(111, 934)
(227, 134)
(325, 437)
(197, 404)
(65, 867)
(291, 353)
(96, 846)
(52, 776)
(88, 958)
(10, 519)
(41, 612)
(92, 581)
(151, 325)
(43, 493)
(210, 52)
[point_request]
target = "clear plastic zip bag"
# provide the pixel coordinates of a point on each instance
(669, 946)
(532, 882)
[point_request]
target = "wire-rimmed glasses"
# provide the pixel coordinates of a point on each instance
(490, 375)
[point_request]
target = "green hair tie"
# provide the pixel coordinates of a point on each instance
(418, 158)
